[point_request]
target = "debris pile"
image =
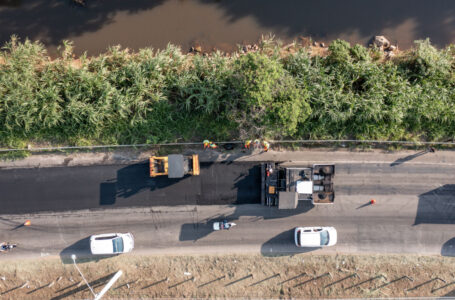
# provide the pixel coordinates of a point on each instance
(383, 44)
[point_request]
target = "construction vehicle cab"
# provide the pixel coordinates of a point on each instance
(174, 165)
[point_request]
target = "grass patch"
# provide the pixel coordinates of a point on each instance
(351, 92)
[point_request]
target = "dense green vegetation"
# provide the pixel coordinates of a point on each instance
(164, 96)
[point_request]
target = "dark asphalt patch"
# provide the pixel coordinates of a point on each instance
(74, 188)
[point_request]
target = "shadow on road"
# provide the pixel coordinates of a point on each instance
(196, 231)
(437, 206)
(131, 180)
(82, 251)
(408, 158)
(448, 249)
(283, 245)
(216, 185)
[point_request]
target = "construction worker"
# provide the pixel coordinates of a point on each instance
(266, 146)
(213, 145)
(257, 144)
(206, 144)
(248, 144)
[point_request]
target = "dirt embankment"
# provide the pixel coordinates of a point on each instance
(297, 276)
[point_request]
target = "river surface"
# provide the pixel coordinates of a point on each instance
(224, 23)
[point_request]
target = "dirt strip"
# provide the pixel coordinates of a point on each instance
(233, 276)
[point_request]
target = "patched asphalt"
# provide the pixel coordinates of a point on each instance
(95, 187)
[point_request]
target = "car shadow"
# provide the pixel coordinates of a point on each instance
(437, 206)
(82, 251)
(196, 231)
(283, 245)
(448, 248)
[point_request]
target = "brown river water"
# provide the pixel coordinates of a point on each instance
(223, 23)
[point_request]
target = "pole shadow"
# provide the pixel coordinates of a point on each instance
(364, 205)
(156, 283)
(408, 158)
(93, 284)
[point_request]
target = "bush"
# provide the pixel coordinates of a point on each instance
(163, 96)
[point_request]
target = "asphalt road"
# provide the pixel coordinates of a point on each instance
(93, 187)
(414, 212)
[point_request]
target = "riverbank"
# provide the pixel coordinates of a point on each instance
(221, 24)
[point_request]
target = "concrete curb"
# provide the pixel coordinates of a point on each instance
(446, 157)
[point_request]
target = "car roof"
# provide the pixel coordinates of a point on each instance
(310, 238)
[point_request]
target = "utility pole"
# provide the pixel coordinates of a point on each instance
(106, 287)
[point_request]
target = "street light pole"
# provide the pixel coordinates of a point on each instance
(108, 285)
(73, 257)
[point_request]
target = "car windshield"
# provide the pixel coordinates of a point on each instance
(324, 237)
(117, 244)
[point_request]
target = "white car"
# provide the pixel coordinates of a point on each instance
(315, 236)
(111, 243)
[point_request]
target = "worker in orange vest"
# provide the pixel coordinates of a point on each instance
(248, 144)
(206, 144)
(266, 146)
(213, 145)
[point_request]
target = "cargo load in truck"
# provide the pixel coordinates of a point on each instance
(285, 186)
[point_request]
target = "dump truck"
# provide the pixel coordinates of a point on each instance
(174, 165)
(285, 186)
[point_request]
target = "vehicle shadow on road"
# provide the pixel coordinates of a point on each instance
(283, 245)
(131, 180)
(82, 251)
(448, 248)
(195, 231)
(437, 206)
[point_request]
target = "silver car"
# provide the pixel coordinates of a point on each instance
(315, 236)
(111, 243)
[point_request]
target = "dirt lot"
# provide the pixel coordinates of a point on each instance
(254, 276)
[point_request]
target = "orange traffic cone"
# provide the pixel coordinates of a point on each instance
(372, 201)
(27, 223)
